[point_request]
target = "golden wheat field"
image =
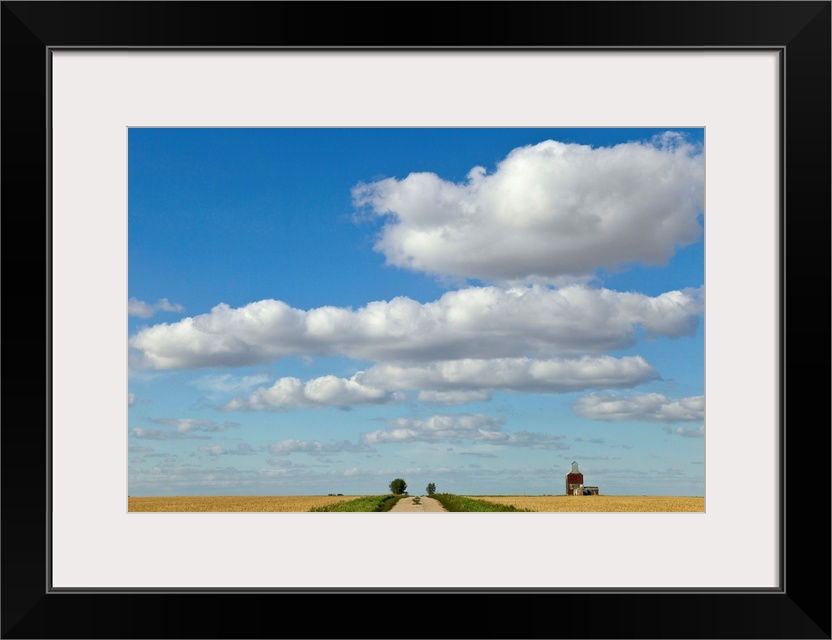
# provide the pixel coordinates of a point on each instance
(604, 504)
(232, 503)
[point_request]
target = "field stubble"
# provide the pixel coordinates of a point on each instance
(602, 504)
(233, 504)
(296, 504)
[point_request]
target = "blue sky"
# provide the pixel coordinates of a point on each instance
(317, 311)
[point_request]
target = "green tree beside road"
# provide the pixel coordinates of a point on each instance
(398, 487)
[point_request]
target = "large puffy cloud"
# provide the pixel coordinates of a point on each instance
(326, 391)
(548, 210)
(468, 426)
(476, 322)
(450, 382)
(653, 407)
(257, 332)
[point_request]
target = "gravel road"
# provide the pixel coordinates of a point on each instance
(425, 504)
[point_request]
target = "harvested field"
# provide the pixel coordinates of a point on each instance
(604, 504)
(232, 503)
(261, 504)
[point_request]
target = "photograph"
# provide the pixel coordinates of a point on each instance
(415, 258)
(416, 319)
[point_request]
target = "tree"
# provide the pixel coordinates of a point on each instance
(431, 489)
(398, 486)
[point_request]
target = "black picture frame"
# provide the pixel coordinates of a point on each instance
(799, 608)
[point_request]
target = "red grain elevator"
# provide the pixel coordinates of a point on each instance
(574, 481)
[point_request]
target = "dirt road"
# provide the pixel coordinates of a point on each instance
(417, 504)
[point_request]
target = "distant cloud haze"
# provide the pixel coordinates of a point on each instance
(189, 424)
(475, 427)
(699, 432)
(653, 407)
(143, 310)
(313, 447)
(241, 449)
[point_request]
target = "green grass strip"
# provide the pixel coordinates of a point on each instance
(367, 503)
(457, 503)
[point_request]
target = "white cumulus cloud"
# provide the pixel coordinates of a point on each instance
(326, 391)
(449, 382)
(468, 426)
(475, 322)
(547, 210)
(227, 383)
(653, 407)
(521, 375)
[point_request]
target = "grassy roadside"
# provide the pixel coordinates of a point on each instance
(457, 503)
(365, 504)
(449, 501)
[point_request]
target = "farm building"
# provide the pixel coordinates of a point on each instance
(575, 483)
